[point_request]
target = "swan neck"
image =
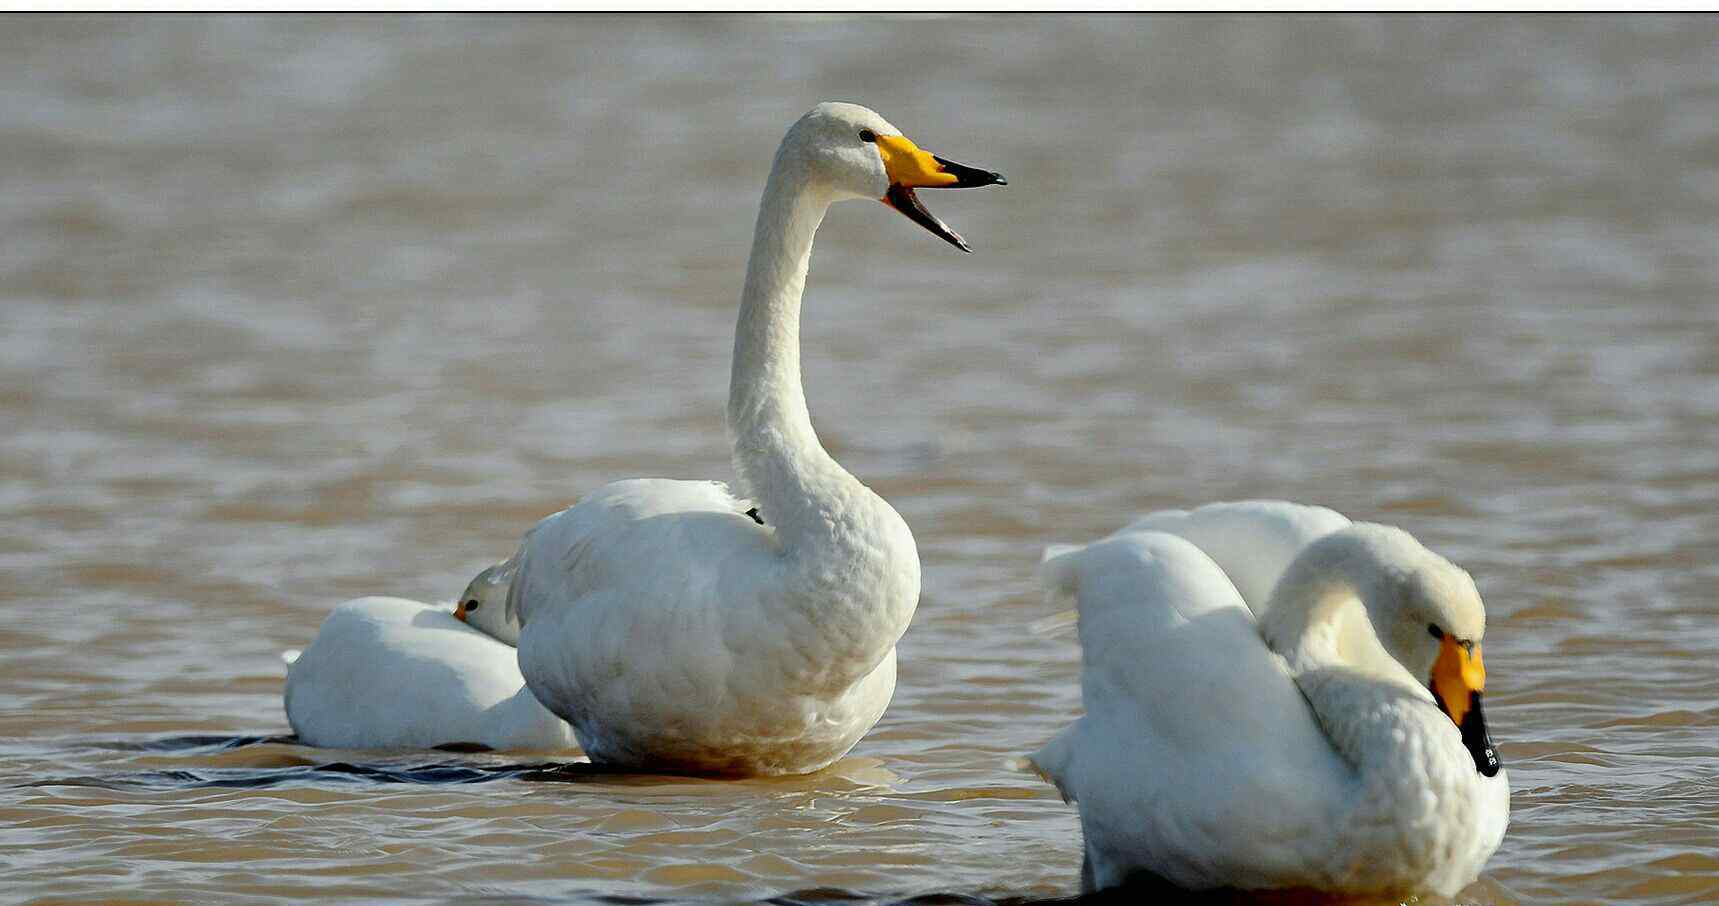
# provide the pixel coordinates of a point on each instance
(780, 464)
(1303, 620)
(1322, 625)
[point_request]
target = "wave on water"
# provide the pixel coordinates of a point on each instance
(394, 768)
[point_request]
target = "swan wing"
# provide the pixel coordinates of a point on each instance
(1197, 758)
(1253, 541)
(646, 535)
(394, 673)
(646, 618)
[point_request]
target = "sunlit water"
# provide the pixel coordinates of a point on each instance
(294, 310)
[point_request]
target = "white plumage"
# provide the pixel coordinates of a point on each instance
(676, 632)
(389, 673)
(1299, 750)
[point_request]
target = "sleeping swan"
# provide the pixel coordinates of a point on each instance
(388, 673)
(681, 626)
(1336, 743)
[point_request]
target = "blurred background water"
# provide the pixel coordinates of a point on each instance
(295, 309)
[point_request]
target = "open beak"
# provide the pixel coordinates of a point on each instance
(1458, 681)
(911, 168)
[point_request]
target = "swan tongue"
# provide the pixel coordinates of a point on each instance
(903, 199)
(1477, 741)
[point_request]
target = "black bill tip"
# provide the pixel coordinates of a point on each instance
(969, 177)
(1478, 741)
(1475, 737)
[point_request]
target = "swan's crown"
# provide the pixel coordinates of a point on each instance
(1426, 588)
(826, 142)
(854, 116)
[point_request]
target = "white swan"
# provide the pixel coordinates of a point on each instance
(1336, 744)
(389, 673)
(681, 627)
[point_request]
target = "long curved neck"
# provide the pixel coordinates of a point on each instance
(777, 457)
(1318, 620)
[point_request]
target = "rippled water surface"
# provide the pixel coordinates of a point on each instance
(293, 310)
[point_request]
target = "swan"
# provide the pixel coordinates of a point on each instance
(686, 627)
(1330, 737)
(391, 673)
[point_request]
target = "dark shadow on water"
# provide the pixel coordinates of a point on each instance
(189, 743)
(819, 896)
(1134, 895)
(392, 768)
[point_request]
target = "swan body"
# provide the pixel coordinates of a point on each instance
(1291, 745)
(1252, 541)
(390, 673)
(688, 627)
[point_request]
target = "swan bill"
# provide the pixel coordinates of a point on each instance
(1458, 681)
(1477, 740)
(909, 167)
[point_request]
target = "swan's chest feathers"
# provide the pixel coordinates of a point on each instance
(855, 587)
(1421, 815)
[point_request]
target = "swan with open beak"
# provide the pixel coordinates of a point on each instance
(910, 167)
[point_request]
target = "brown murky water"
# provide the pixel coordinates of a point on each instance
(293, 310)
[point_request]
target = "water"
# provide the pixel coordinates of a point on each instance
(297, 309)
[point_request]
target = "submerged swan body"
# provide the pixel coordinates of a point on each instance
(683, 626)
(1334, 743)
(389, 673)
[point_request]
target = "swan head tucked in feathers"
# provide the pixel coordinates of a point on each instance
(1416, 608)
(852, 152)
(483, 605)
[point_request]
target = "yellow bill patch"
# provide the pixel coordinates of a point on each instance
(909, 166)
(1457, 672)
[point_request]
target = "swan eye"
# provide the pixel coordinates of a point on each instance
(472, 605)
(866, 135)
(1434, 631)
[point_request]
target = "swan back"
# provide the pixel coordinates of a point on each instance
(1253, 541)
(1182, 701)
(393, 673)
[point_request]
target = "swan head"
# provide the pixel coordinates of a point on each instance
(483, 605)
(1424, 610)
(851, 152)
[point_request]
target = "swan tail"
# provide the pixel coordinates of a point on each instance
(1058, 573)
(1053, 762)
